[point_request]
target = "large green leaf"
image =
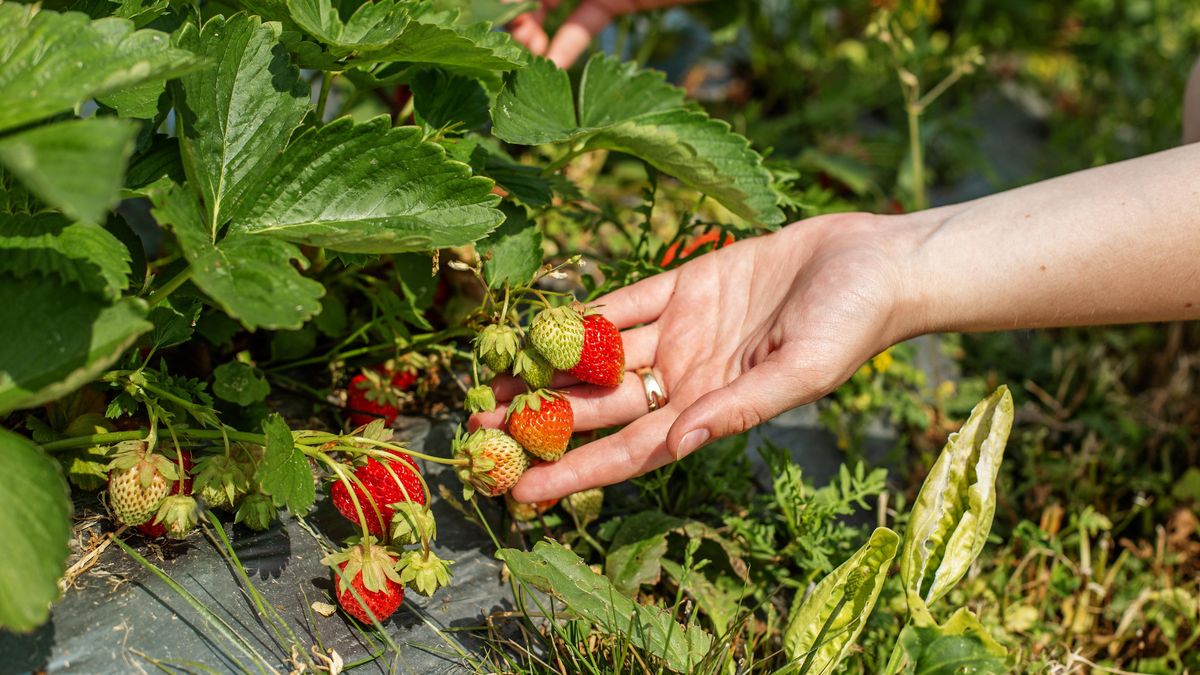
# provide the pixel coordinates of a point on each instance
(49, 62)
(285, 474)
(952, 515)
(236, 117)
(436, 38)
(442, 99)
(961, 645)
(637, 112)
(635, 555)
(826, 624)
(77, 166)
(366, 188)
(513, 253)
(85, 256)
(250, 277)
(60, 337)
(554, 569)
(373, 26)
(35, 526)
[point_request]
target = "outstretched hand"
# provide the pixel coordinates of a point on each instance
(577, 32)
(736, 337)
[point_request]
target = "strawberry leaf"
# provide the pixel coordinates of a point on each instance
(284, 473)
(47, 160)
(554, 569)
(639, 113)
(49, 62)
(250, 277)
(47, 244)
(48, 359)
(368, 188)
(235, 118)
(35, 527)
(515, 250)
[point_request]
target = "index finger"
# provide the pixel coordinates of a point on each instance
(639, 447)
(638, 303)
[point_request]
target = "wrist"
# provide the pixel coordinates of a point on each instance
(913, 302)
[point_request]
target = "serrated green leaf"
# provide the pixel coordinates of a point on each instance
(83, 335)
(524, 183)
(137, 102)
(373, 25)
(366, 188)
(250, 277)
(535, 106)
(174, 320)
(285, 474)
(554, 569)
(952, 515)
(236, 117)
(635, 555)
(499, 12)
(50, 62)
(240, 383)
(435, 38)
(35, 526)
(637, 112)
(160, 160)
(47, 244)
(442, 99)
(827, 623)
(513, 253)
(140, 12)
(47, 160)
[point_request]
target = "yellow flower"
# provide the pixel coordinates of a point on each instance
(883, 360)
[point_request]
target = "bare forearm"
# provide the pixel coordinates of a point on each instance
(1114, 244)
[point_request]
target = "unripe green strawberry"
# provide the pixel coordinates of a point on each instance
(256, 511)
(481, 399)
(178, 514)
(494, 462)
(531, 367)
(542, 422)
(585, 505)
(497, 346)
(220, 480)
(138, 480)
(412, 523)
(424, 572)
(557, 334)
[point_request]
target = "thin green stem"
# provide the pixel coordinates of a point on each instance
(916, 155)
(139, 434)
(326, 85)
(172, 284)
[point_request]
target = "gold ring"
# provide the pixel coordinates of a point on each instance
(655, 396)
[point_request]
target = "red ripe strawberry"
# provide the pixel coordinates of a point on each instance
(541, 422)
(180, 487)
(602, 361)
(370, 570)
(375, 393)
(379, 489)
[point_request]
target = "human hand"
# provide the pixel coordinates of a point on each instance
(588, 19)
(736, 337)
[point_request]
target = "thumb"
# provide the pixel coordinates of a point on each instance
(765, 391)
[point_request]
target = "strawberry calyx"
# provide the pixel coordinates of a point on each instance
(366, 557)
(220, 480)
(179, 514)
(497, 346)
(412, 524)
(531, 400)
(423, 571)
(532, 367)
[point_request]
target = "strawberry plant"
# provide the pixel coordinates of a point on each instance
(200, 205)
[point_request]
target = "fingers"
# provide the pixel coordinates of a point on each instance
(638, 303)
(529, 32)
(634, 450)
(593, 407)
(756, 396)
(577, 32)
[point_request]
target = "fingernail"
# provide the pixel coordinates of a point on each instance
(691, 440)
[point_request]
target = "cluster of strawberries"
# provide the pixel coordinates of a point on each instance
(539, 422)
(157, 494)
(386, 496)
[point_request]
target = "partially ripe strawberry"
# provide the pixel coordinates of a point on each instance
(542, 422)
(179, 487)
(494, 461)
(522, 512)
(370, 570)
(557, 334)
(383, 483)
(138, 480)
(602, 360)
